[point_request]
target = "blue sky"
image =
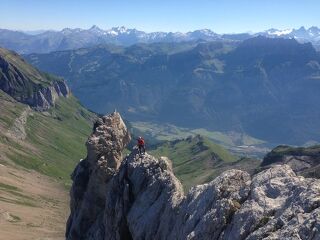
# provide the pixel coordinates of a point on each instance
(222, 16)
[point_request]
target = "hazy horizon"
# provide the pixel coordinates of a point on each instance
(34, 31)
(228, 16)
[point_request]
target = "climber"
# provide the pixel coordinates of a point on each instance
(141, 146)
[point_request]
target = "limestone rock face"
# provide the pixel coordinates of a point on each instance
(28, 85)
(140, 198)
(143, 200)
(45, 97)
(90, 178)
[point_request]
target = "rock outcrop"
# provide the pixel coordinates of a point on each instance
(18, 130)
(304, 161)
(91, 176)
(142, 199)
(28, 85)
(45, 97)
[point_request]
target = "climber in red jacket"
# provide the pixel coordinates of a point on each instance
(141, 146)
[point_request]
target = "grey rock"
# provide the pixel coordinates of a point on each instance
(28, 85)
(46, 97)
(18, 130)
(140, 198)
(90, 178)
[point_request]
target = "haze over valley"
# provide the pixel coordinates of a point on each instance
(263, 87)
(188, 121)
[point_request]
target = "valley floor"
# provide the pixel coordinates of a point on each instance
(32, 206)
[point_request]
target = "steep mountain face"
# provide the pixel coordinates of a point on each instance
(26, 84)
(142, 199)
(304, 161)
(48, 41)
(265, 87)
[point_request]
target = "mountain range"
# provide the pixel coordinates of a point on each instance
(43, 128)
(48, 41)
(265, 87)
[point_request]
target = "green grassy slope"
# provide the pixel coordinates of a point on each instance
(169, 132)
(55, 139)
(10, 110)
(195, 159)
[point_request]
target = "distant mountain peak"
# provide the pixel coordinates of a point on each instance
(302, 28)
(120, 29)
(95, 27)
(66, 30)
(74, 38)
(277, 32)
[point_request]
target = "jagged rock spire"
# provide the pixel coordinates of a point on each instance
(91, 176)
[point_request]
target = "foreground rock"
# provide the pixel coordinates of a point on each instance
(90, 178)
(144, 200)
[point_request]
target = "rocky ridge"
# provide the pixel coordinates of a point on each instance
(304, 161)
(28, 85)
(140, 198)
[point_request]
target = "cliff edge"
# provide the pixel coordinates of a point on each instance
(28, 85)
(140, 198)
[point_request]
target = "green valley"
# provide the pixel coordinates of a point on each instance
(198, 160)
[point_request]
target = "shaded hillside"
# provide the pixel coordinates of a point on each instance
(28, 85)
(266, 88)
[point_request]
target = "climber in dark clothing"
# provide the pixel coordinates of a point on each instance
(141, 146)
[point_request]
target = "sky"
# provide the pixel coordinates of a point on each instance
(221, 16)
